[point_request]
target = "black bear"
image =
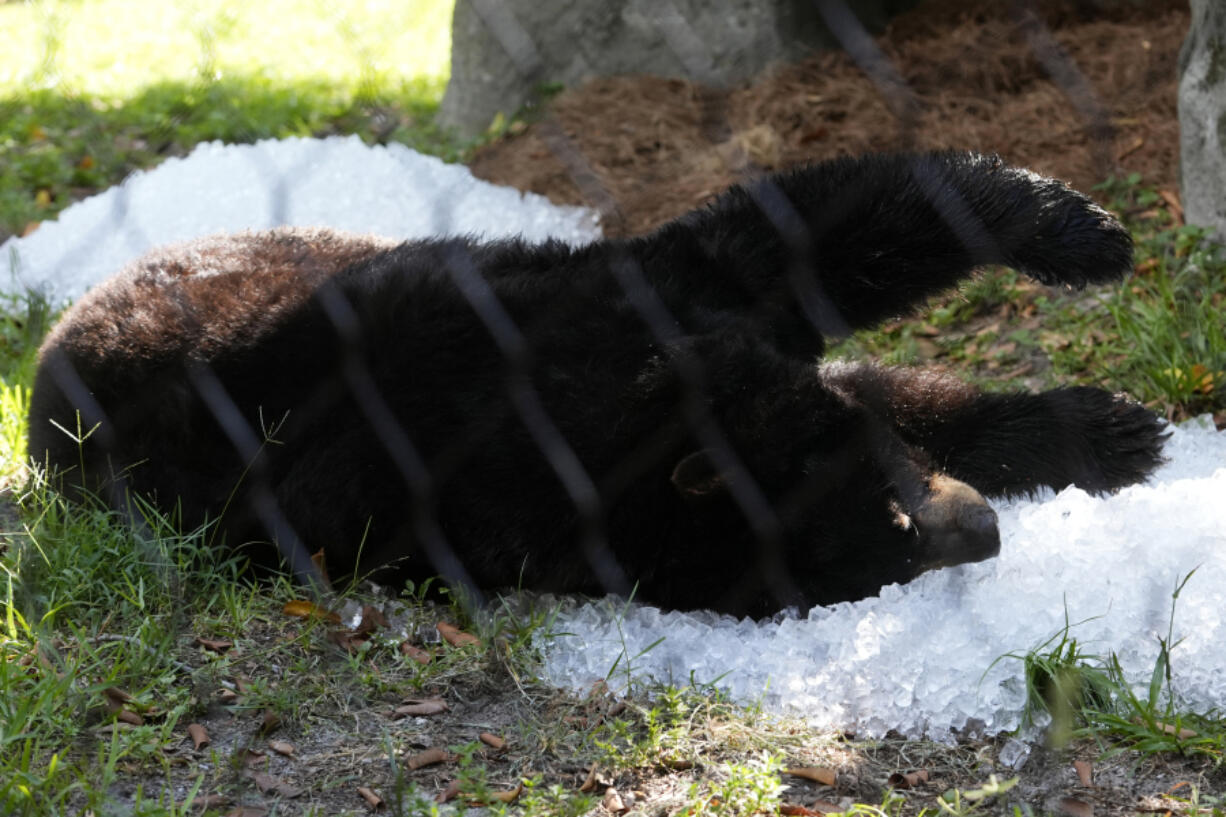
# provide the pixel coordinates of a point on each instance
(645, 414)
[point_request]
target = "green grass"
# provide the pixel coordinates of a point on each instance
(1169, 316)
(89, 604)
(108, 48)
(1157, 336)
(92, 603)
(86, 97)
(88, 608)
(1074, 693)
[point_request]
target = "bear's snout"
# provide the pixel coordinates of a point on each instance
(955, 525)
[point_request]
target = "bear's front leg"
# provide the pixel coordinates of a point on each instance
(814, 498)
(1012, 443)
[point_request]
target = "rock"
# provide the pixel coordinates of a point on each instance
(1202, 117)
(506, 52)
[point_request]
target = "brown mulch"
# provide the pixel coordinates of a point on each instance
(1065, 89)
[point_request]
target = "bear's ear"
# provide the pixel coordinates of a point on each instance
(697, 476)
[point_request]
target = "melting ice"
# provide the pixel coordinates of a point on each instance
(920, 658)
(338, 182)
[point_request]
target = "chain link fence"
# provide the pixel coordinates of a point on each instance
(638, 415)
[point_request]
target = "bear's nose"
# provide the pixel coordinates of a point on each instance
(980, 521)
(955, 524)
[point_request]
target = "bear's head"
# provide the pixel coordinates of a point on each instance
(867, 512)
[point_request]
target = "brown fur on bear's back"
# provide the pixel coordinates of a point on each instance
(183, 303)
(193, 298)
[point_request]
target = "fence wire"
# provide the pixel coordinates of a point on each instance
(587, 509)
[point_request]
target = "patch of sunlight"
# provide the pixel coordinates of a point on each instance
(114, 48)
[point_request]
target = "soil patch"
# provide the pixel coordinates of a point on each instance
(1072, 93)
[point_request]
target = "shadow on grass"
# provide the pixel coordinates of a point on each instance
(57, 148)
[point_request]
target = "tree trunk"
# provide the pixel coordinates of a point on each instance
(1202, 117)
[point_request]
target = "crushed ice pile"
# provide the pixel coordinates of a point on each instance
(919, 658)
(338, 182)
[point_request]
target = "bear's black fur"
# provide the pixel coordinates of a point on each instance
(641, 413)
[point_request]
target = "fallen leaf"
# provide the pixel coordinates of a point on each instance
(372, 619)
(449, 793)
(214, 645)
(1173, 204)
(208, 801)
(374, 801)
(429, 757)
(199, 735)
(455, 636)
(128, 716)
(29, 229)
(493, 741)
(1146, 267)
(507, 796)
(1085, 771)
(86, 163)
(416, 653)
(1183, 733)
(817, 774)
(347, 640)
(1073, 807)
(268, 784)
(909, 780)
(251, 757)
(612, 801)
(420, 707)
(270, 722)
(112, 728)
(247, 811)
(281, 747)
(117, 695)
(305, 609)
(798, 810)
(1136, 145)
(589, 782)
(453, 790)
(826, 807)
(1006, 348)
(227, 696)
(263, 782)
(288, 790)
(321, 564)
(1197, 379)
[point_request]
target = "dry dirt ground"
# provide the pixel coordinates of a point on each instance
(1075, 94)
(340, 725)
